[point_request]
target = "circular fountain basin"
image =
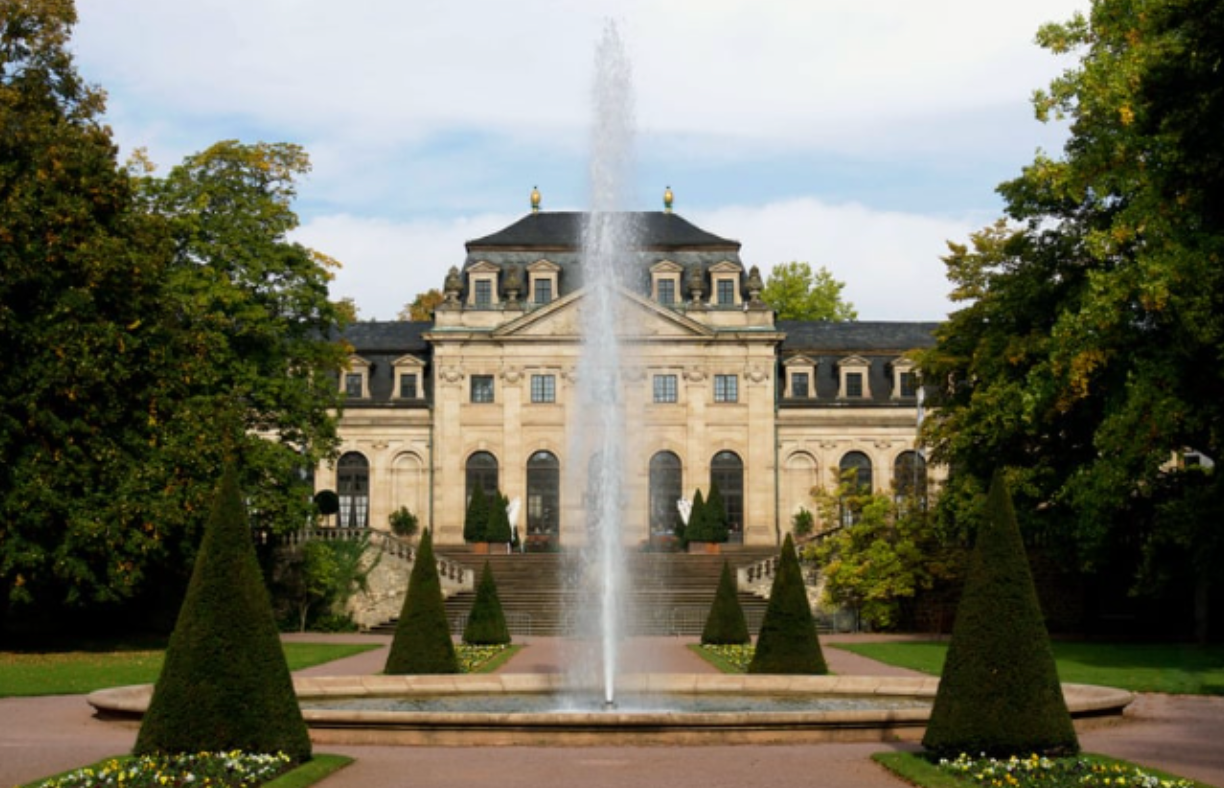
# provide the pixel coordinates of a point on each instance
(897, 717)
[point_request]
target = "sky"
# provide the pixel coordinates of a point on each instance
(857, 135)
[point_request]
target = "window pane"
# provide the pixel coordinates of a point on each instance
(665, 490)
(909, 384)
(482, 471)
(854, 384)
(664, 388)
(799, 384)
(726, 292)
(543, 494)
(726, 388)
(482, 388)
(484, 292)
(543, 388)
(352, 384)
(408, 386)
(667, 291)
(727, 471)
(353, 489)
(543, 291)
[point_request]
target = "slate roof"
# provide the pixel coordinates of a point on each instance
(388, 336)
(856, 335)
(562, 230)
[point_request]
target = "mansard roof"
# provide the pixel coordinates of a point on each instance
(855, 335)
(562, 231)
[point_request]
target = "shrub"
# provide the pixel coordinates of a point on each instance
(802, 524)
(787, 642)
(696, 530)
(486, 624)
(327, 502)
(403, 522)
(498, 527)
(726, 624)
(999, 693)
(476, 519)
(422, 642)
(225, 684)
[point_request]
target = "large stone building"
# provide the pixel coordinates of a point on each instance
(715, 390)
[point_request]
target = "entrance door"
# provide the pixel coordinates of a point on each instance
(543, 499)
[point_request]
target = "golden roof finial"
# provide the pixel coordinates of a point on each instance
(667, 199)
(535, 199)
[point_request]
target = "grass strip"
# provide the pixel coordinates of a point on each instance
(917, 769)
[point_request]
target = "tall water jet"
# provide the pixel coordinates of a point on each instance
(600, 428)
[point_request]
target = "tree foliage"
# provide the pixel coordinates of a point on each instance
(725, 624)
(885, 557)
(225, 684)
(476, 519)
(795, 292)
(787, 642)
(999, 693)
(422, 307)
(486, 624)
(1086, 355)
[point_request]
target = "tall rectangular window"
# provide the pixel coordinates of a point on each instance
(543, 388)
(353, 384)
(664, 388)
(484, 292)
(726, 388)
(543, 291)
(799, 385)
(482, 388)
(726, 292)
(408, 386)
(667, 291)
(909, 384)
(854, 384)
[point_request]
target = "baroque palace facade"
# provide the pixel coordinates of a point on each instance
(715, 390)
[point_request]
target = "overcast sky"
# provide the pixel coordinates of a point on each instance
(860, 135)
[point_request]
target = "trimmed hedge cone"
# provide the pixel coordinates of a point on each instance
(225, 684)
(999, 693)
(726, 625)
(788, 642)
(422, 642)
(486, 624)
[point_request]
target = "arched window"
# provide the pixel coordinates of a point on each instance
(727, 471)
(543, 494)
(855, 470)
(481, 470)
(666, 488)
(910, 478)
(353, 488)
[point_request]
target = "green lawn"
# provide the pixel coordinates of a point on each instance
(79, 672)
(1139, 667)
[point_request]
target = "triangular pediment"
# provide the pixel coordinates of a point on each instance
(562, 319)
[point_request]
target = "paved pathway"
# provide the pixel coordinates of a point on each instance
(43, 736)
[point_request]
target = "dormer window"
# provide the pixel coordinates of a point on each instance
(905, 379)
(854, 378)
(800, 377)
(725, 284)
(542, 282)
(665, 282)
(409, 378)
(482, 285)
(355, 381)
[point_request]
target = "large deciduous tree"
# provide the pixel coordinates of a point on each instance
(422, 307)
(795, 292)
(1087, 357)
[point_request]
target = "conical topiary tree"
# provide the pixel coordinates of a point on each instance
(718, 524)
(422, 642)
(999, 693)
(696, 530)
(497, 528)
(476, 519)
(787, 642)
(726, 624)
(486, 624)
(225, 684)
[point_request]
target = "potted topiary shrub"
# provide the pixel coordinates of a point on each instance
(802, 524)
(403, 523)
(476, 521)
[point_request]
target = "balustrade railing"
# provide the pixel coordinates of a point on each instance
(450, 572)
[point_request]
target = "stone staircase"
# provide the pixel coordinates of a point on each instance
(666, 593)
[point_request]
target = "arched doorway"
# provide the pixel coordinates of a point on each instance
(666, 488)
(855, 468)
(543, 498)
(727, 471)
(353, 488)
(910, 479)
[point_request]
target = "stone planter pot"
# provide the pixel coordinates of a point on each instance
(480, 548)
(708, 548)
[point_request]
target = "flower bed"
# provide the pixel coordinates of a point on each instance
(1038, 772)
(199, 770)
(734, 659)
(472, 659)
